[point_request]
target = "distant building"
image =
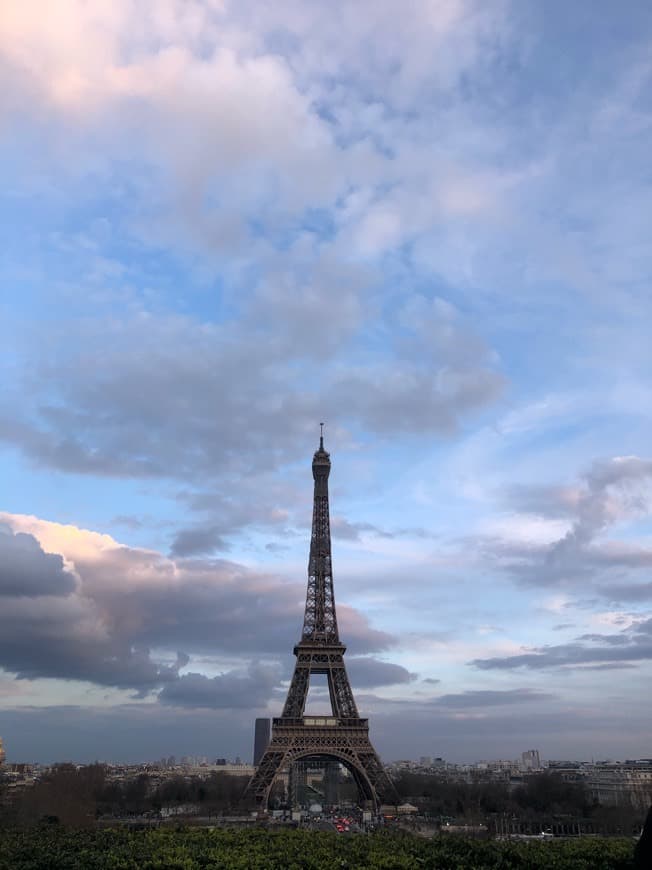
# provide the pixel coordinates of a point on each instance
(623, 783)
(2, 753)
(530, 760)
(261, 738)
(231, 769)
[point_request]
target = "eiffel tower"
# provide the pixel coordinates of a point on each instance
(343, 736)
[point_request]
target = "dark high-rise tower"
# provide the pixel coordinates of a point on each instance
(343, 736)
(261, 739)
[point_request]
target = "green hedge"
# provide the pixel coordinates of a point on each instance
(194, 848)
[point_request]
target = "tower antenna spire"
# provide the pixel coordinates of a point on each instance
(321, 436)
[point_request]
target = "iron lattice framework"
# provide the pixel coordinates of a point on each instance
(343, 736)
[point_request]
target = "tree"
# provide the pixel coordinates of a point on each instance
(550, 794)
(66, 794)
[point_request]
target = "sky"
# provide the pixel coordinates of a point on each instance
(426, 224)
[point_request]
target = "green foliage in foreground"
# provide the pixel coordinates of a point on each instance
(193, 848)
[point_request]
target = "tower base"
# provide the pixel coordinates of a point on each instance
(343, 740)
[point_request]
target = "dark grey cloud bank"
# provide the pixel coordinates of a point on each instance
(367, 672)
(149, 731)
(491, 698)
(253, 687)
(134, 619)
(471, 700)
(199, 541)
(29, 572)
(233, 690)
(594, 651)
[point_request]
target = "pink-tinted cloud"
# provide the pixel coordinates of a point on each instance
(123, 618)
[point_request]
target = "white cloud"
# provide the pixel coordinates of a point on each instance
(525, 529)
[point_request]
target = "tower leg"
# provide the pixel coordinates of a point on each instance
(346, 743)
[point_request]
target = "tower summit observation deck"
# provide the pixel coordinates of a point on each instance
(341, 736)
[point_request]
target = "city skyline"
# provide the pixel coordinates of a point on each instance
(224, 223)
